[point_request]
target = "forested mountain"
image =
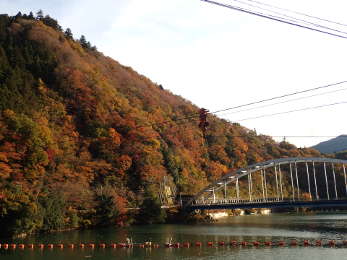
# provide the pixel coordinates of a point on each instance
(83, 137)
(335, 145)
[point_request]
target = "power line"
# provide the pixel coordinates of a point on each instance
(274, 18)
(286, 17)
(286, 101)
(296, 12)
(292, 111)
(281, 96)
(195, 116)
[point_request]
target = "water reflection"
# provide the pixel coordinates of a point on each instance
(243, 228)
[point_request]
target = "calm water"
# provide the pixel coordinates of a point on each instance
(248, 228)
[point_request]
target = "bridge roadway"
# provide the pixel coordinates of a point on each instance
(274, 203)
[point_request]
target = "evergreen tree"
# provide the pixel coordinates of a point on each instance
(39, 15)
(31, 15)
(68, 33)
(83, 41)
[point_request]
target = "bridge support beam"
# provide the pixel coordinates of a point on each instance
(297, 180)
(250, 188)
(262, 184)
(291, 178)
(344, 173)
(237, 189)
(315, 181)
(332, 166)
(326, 181)
(276, 179)
(280, 173)
(265, 185)
(308, 181)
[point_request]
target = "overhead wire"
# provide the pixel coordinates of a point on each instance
(283, 102)
(292, 111)
(195, 116)
(288, 17)
(273, 18)
(281, 96)
(296, 12)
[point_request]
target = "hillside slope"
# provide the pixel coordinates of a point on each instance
(82, 137)
(334, 145)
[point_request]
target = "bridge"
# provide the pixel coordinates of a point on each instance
(279, 183)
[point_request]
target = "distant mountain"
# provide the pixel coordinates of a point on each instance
(334, 145)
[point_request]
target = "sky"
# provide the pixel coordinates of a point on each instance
(220, 58)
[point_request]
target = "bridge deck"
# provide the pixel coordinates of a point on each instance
(278, 204)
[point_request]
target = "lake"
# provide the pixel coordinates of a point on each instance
(276, 227)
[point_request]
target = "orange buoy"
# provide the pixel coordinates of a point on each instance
(306, 243)
(30, 246)
(186, 244)
(91, 245)
(61, 246)
(177, 245)
(332, 243)
(221, 243)
(256, 243)
(50, 246)
(319, 243)
(210, 243)
(293, 243)
(281, 243)
(81, 245)
(198, 243)
(21, 246)
(233, 243)
(113, 245)
(102, 245)
(344, 242)
(244, 243)
(72, 246)
(41, 246)
(156, 246)
(5, 246)
(268, 243)
(13, 246)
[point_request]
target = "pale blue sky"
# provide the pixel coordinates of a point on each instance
(216, 57)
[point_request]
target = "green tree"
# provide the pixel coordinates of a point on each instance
(53, 210)
(151, 211)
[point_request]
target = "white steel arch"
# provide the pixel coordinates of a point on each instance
(234, 176)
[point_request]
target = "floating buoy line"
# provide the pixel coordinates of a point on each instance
(233, 243)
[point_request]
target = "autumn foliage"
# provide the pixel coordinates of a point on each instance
(82, 137)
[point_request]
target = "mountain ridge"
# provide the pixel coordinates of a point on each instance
(83, 137)
(334, 145)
